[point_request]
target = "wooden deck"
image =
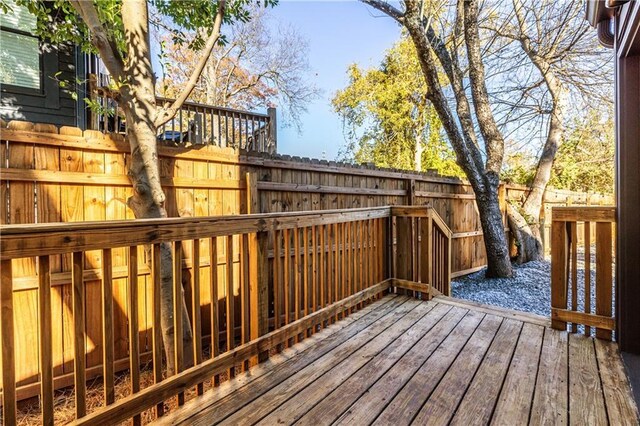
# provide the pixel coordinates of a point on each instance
(401, 361)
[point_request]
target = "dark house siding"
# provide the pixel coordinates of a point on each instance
(55, 105)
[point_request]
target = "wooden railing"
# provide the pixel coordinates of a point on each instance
(195, 124)
(574, 232)
(294, 274)
(423, 248)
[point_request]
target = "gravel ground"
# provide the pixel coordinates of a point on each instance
(529, 290)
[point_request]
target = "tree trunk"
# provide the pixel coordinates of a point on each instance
(417, 156)
(148, 202)
(527, 236)
(139, 104)
(525, 225)
(495, 240)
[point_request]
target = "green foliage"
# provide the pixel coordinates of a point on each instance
(388, 119)
(519, 168)
(58, 21)
(584, 162)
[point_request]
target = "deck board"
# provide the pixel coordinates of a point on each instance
(403, 361)
(342, 362)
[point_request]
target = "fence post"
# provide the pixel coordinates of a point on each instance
(604, 278)
(410, 185)
(273, 131)
(559, 260)
(253, 198)
(9, 406)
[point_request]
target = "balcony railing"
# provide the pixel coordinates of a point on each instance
(194, 123)
(257, 283)
(580, 235)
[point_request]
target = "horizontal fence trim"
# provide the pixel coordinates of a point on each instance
(577, 317)
(49, 239)
(116, 143)
(471, 234)
(156, 393)
(467, 271)
(429, 194)
(584, 214)
(75, 178)
(324, 189)
(412, 285)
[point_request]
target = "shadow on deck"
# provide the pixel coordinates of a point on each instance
(401, 361)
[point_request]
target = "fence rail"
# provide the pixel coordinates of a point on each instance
(590, 230)
(294, 274)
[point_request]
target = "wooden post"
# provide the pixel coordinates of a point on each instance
(8, 355)
(273, 131)
(410, 185)
(604, 278)
(559, 270)
(253, 197)
(259, 286)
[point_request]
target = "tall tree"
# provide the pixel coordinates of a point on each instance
(481, 166)
(388, 119)
(119, 32)
(255, 68)
(543, 59)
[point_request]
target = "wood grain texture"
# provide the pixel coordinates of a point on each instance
(586, 402)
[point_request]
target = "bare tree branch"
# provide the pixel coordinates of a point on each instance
(167, 113)
(100, 38)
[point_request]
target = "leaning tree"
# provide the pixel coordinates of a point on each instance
(481, 164)
(543, 47)
(119, 32)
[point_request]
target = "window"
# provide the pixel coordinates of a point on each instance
(19, 49)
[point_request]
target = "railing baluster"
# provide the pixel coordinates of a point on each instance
(314, 270)
(215, 311)
(156, 283)
(559, 251)
(178, 331)
(277, 283)
(9, 405)
(107, 327)
(134, 337)
(196, 320)
(305, 272)
(46, 346)
(287, 277)
(604, 278)
(230, 302)
(245, 311)
(322, 274)
(79, 360)
(574, 272)
(587, 273)
(296, 276)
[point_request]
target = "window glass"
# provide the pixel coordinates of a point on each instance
(19, 48)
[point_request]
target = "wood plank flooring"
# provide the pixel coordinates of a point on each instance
(402, 361)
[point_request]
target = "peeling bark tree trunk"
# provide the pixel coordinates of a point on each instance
(148, 201)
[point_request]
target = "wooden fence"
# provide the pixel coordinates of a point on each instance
(567, 238)
(324, 265)
(66, 175)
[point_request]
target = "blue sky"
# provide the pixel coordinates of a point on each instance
(339, 33)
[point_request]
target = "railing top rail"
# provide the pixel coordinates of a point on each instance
(160, 99)
(57, 238)
(423, 211)
(585, 213)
